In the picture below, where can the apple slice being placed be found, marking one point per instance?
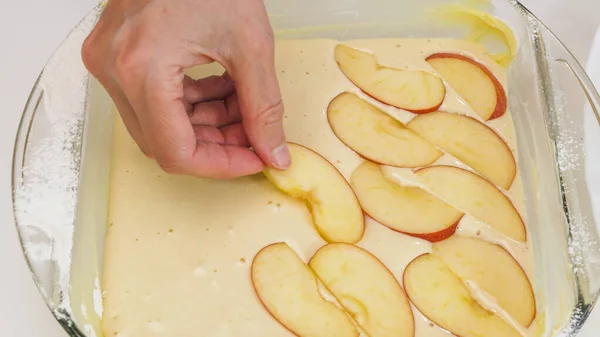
(415, 91)
(473, 82)
(375, 135)
(471, 142)
(443, 298)
(287, 288)
(494, 271)
(334, 207)
(406, 209)
(366, 289)
(472, 194)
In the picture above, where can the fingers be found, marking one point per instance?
(142, 48)
(253, 71)
(262, 112)
(216, 113)
(207, 89)
(172, 138)
(129, 119)
(233, 134)
(157, 98)
(225, 161)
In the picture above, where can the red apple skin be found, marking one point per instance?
(380, 163)
(500, 93)
(411, 301)
(384, 266)
(439, 235)
(421, 112)
(341, 176)
(454, 167)
(535, 312)
(365, 157)
(503, 141)
(525, 273)
(407, 295)
(418, 112)
(530, 287)
(256, 292)
(431, 237)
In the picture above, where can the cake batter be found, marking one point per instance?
(178, 248)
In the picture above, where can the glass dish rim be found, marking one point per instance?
(576, 319)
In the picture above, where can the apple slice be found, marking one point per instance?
(494, 270)
(415, 91)
(406, 209)
(375, 135)
(473, 82)
(366, 289)
(445, 300)
(471, 142)
(334, 207)
(472, 194)
(287, 288)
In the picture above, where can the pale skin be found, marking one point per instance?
(219, 127)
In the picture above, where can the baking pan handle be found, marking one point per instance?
(586, 84)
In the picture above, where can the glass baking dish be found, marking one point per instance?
(62, 155)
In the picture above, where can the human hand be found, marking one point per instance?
(138, 51)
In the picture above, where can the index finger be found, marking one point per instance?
(252, 67)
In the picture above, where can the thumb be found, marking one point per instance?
(261, 105)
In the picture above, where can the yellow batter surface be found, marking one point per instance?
(179, 249)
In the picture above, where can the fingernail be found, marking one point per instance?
(280, 157)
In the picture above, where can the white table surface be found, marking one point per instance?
(31, 29)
